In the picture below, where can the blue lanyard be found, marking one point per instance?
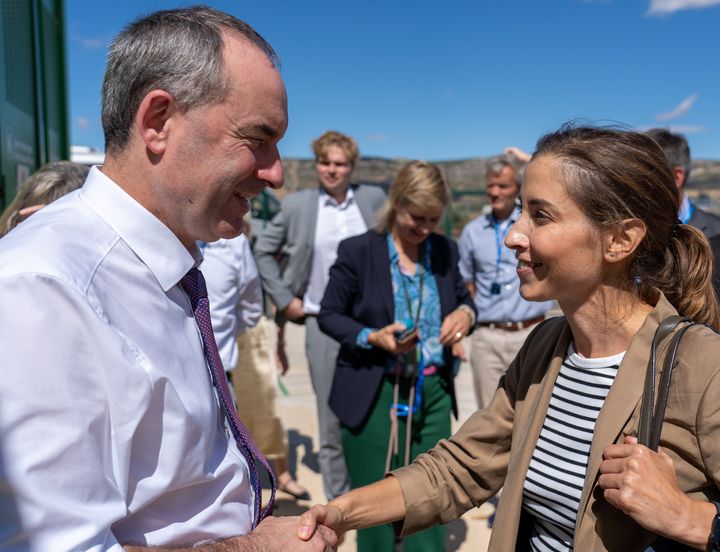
(403, 410)
(690, 212)
(499, 241)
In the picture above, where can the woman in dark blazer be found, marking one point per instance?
(397, 305)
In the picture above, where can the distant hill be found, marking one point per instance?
(467, 181)
(462, 174)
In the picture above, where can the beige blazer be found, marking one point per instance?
(493, 448)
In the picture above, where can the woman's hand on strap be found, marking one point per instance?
(455, 326)
(642, 484)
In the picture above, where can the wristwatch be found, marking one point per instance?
(715, 533)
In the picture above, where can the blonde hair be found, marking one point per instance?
(418, 185)
(48, 183)
(334, 138)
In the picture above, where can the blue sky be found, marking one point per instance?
(454, 79)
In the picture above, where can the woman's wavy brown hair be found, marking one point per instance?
(615, 174)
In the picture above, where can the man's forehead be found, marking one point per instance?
(506, 175)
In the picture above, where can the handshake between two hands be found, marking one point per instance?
(318, 530)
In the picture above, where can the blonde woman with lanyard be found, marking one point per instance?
(397, 305)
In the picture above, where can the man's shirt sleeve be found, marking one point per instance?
(59, 475)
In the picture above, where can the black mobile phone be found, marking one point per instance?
(405, 336)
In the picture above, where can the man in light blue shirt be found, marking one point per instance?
(488, 268)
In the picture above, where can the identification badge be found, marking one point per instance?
(495, 288)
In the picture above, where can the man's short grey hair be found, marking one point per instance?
(496, 165)
(674, 146)
(179, 51)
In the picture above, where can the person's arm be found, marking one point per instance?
(340, 295)
(273, 534)
(357, 509)
(465, 263)
(521, 155)
(249, 307)
(461, 321)
(642, 484)
(56, 456)
(267, 246)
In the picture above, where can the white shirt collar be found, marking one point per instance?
(153, 242)
(327, 199)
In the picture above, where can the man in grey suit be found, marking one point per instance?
(677, 152)
(307, 231)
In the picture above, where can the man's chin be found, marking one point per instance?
(229, 231)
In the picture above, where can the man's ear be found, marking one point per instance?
(622, 241)
(152, 120)
(679, 174)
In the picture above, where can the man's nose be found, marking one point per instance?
(272, 171)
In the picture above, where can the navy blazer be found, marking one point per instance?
(359, 295)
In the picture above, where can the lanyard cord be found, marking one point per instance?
(407, 293)
(499, 240)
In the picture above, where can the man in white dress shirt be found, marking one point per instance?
(111, 434)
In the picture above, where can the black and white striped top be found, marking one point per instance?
(556, 475)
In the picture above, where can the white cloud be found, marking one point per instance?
(378, 137)
(82, 122)
(89, 42)
(687, 129)
(664, 7)
(681, 109)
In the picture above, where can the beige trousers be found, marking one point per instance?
(491, 352)
(255, 384)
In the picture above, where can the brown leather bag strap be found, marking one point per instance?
(652, 411)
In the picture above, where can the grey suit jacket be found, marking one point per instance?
(292, 233)
(494, 447)
(707, 223)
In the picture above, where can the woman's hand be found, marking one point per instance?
(455, 326)
(458, 351)
(385, 339)
(643, 485)
(320, 515)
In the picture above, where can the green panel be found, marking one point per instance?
(33, 90)
(54, 83)
(19, 155)
(17, 42)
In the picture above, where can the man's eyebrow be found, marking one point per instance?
(262, 128)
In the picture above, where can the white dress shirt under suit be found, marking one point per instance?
(110, 429)
(335, 222)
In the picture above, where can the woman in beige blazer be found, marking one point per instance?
(599, 234)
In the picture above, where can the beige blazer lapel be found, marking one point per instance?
(616, 415)
(531, 418)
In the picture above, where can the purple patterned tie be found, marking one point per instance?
(194, 285)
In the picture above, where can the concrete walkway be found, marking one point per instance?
(470, 533)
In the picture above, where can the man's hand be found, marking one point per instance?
(294, 310)
(318, 518)
(281, 359)
(643, 485)
(521, 155)
(281, 534)
(385, 339)
(273, 534)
